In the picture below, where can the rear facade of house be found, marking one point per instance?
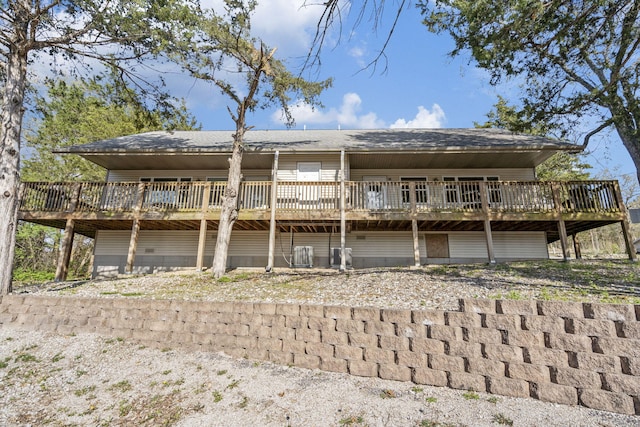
(324, 199)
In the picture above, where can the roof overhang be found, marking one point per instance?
(428, 148)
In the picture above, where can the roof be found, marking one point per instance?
(383, 140)
(367, 149)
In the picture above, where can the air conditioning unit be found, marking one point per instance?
(335, 257)
(303, 256)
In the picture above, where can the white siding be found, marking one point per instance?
(510, 245)
(363, 245)
(520, 245)
(150, 242)
(195, 175)
(112, 242)
(249, 243)
(467, 245)
(330, 168)
(524, 174)
(381, 244)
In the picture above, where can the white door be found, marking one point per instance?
(308, 172)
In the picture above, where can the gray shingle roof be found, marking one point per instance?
(384, 140)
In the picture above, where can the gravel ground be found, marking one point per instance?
(433, 287)
(93, 381)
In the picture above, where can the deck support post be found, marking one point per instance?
(628, 240)
(576, 246)
(626, 228)
(484, 200)
(66, 245)
(202, 237)
(272, 220)
(562, 228)
(562, 231)
(202, 245)
(489, 237)
(343, 216)
(414, 223)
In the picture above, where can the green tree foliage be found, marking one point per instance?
(76, 113)
(561, 166)
(84, 111)
(579, 58)
(118, 33)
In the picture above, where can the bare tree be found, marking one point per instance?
(335, 11)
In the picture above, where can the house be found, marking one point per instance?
(328, 198)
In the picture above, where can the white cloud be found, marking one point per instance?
(346, 115)
(288, 25)
(424, 119)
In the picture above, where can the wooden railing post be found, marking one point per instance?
(202, 238)
(484, 201)
(562, 228)
(272, 219)
(414, 223)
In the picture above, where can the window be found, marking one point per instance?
(420, 190)
(495, 194)
(375, 192)
(467, 190)
(309, 171)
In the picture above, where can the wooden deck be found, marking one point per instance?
(560, 209)
(315, 206)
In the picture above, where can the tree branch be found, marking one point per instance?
(599, 129)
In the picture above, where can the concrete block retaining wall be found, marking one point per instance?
(569, 353)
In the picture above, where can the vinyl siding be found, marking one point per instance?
(150, 242)
(249, 248)
(329, 170)
(395, 174)
(195, 175)
(382, 244)
(507, 245)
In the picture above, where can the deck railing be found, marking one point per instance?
(375, 196)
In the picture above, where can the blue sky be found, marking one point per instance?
(421, 87)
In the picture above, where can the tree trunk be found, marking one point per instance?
(631, 142)
(229, 212)
(11, 119)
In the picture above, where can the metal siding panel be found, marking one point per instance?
(249, 243)
(467, 245)
(288, 165)
(112, 242)
(525, 174)
(381, 244)
(523, 245)
(196, 175)
(160, 242)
